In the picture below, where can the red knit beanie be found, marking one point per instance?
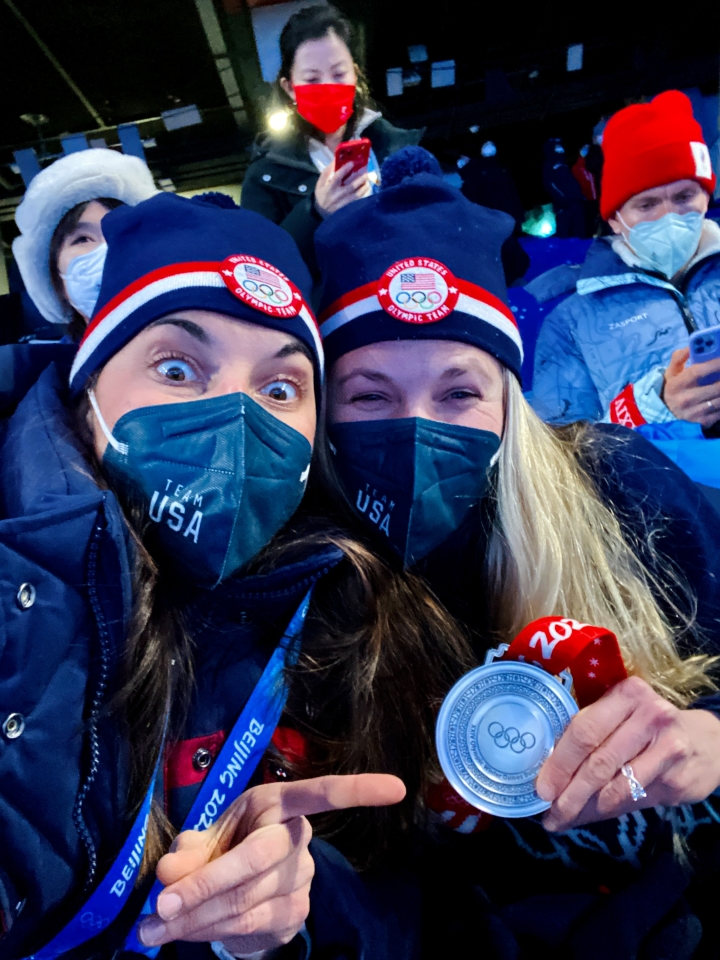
(650, 144)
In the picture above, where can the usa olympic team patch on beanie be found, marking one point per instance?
(416, 261)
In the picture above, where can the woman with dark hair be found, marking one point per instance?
(60, 221)
(293, 180)
(157, 565)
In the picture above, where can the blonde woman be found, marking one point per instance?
(508, 520)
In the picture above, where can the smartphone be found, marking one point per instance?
(355, 151)
(705, 345)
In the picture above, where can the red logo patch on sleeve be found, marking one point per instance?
(624, 410)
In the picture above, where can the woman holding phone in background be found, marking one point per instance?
(293, 179)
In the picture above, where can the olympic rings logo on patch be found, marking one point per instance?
(511, 737)
(261, 285)
(418, 290)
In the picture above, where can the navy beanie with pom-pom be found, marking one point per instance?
(408, 163)
(217, 198)
(416, 261)
(171, 253)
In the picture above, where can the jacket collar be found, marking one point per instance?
(293, 152)
(22, 363)
(267, 595)
(290, 152)
(611, 263)
(321, 155)
(41, 462)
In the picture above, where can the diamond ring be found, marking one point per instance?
(637, 790)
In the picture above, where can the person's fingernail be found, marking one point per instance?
(169, 905)
(550, 824)
(545, 792)
(152, 932)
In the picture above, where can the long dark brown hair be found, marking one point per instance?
(69, 222)
(379, 654)
(314, 23)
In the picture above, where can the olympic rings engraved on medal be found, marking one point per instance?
(511, 737)
(496, 779)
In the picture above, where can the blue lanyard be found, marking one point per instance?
(227, 779)
(243, 750)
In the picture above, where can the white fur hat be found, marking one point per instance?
(77, 178)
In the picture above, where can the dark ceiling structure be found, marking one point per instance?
(85, 67)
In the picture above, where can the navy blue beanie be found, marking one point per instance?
(170, 253)
(416, 261)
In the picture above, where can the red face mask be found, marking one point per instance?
(326, 106)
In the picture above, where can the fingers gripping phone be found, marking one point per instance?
(356, 152)
(705, 345)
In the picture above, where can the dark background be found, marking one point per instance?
(136, 58)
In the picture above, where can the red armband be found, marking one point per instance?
(625, 411)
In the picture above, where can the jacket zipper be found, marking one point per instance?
(97, 700)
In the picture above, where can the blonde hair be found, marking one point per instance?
(556, 549)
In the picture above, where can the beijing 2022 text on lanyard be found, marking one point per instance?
(226, 780)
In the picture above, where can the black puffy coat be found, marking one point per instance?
(280, 181)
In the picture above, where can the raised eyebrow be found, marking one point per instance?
(452, 372)
(373, 375)
(296, 346)
(194, 329)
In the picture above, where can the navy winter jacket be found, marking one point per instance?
(66, 600)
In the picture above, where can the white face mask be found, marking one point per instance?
(667, 244)
(83, 279)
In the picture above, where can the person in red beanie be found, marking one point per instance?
(617, 349)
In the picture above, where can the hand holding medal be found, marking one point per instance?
(512, 742)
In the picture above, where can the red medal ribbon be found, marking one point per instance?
(592, 654)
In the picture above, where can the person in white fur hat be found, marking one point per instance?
(60, 250)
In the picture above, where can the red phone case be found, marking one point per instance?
(357, 151)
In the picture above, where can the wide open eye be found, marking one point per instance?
(280, 390)
(179, 371)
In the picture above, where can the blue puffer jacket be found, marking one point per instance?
(601, 353)
(66, 598)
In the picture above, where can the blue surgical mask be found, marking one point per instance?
(414, 481)
(217, 478)
(83, 278)
(667, 244)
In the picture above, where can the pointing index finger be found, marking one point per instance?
(303, 798)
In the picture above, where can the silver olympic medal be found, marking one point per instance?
(496, 727)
